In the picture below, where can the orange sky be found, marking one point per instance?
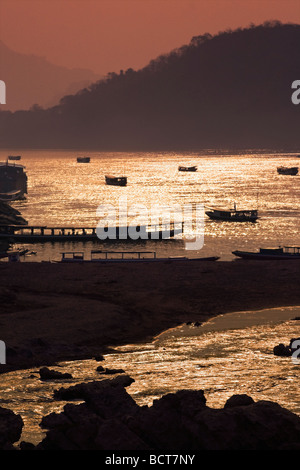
(109, 35)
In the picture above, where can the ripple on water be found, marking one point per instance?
(230, 354)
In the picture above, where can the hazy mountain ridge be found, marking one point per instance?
(232, 90)
(34, 80)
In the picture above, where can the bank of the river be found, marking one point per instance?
(52, 312)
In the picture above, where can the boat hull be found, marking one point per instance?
(183, 168)
(11, 196)
(144, 260)
(116, 181)
(48, 234)
(13, 178)
(263, 256)
(233, 218)
(287, 171)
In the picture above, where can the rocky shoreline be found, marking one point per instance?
(109, 419)
(54, 312)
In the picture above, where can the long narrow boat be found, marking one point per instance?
(83, 159)
(281, 253)
(40, 234)
(99, 256)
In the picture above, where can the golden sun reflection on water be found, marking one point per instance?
(230, 354)
(63, 192)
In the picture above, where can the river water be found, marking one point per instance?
(230, 354)
(62, 192)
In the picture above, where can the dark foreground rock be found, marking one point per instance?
(10, 428)
(109, 419)
(49, 374)
(293, 348)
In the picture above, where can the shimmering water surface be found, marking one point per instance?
(62, 192)
(230, 354)
(234, 357)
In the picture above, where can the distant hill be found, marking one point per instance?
(32, 80)
(231, 90)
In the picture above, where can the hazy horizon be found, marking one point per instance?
(107, 36)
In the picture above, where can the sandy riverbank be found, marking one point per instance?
(52, 312)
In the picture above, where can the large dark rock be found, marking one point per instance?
(282, 350)
(10, 428)
(287, 350)
(109, 419)
(48, 374)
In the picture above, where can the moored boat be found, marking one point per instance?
(116, 180)
(100, 256)
(13, 179)
(283, 170)
(14, 157)
(187, 168)
(9, 253)
(233, 215)
(40, 234)
(83, 159)
(280, 253)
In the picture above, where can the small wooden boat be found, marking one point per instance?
(14, 157)
(99, 256)
(283, 170)
(83, 159)
(116, 180)
(8, 254)
(281, 253)
(187, 168)
(233, 215)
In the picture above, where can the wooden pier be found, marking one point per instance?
(40, 234)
